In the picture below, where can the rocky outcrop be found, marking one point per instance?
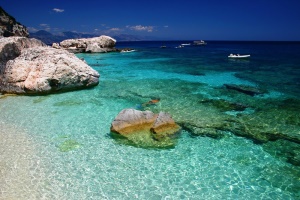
(10, 27)
(144, 128)
(29, 67)
(11, 47)
(100, 44)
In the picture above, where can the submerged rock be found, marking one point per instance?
(284, 149)
(196, 130)
(268, 125)
(69, 145)
(41, 70)
(224, 105)
(144, 128)
(249, 90)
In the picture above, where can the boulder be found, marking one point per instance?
(10, 27)
(40, 70)
(130, 120)
(144, 128)
(11, 47)
(91, 45)
(164, 126)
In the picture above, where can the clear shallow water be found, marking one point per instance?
(68, 152)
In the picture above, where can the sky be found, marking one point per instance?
(258, 20)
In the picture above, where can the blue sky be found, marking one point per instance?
(164, 19)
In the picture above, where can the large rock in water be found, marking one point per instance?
(91, 45)
(10, 27)
(30, 68)
(129, 121)
(164, 126)
(11, 47)
(145, 129)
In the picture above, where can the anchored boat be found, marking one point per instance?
(199, 42)
(238, 56)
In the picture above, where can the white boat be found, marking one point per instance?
(238, 56)
(199, 42)
(186, 44)
(127, 50)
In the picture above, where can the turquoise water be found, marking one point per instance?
(61, 147)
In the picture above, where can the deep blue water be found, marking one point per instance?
(59, 146)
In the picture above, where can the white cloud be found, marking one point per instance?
(166, 26)
(111, 30)
(32, 29)
(58, 10)
(141, 28)
(44, 25)
(114, 29)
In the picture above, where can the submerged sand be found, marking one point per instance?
(20, 169)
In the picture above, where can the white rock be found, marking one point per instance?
(45, 69)
(93, 45)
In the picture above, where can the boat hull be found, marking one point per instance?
(238, 56)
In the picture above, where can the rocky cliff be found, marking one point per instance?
(10, 27)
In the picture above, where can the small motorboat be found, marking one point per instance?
(127, 50)
(238, 56)
(199, 42)
(180, 46)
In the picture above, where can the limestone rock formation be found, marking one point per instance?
(11, 47)
(10, 27)
(91, 45)
(144, 128)
(29, 67)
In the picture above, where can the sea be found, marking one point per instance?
(59, 146)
